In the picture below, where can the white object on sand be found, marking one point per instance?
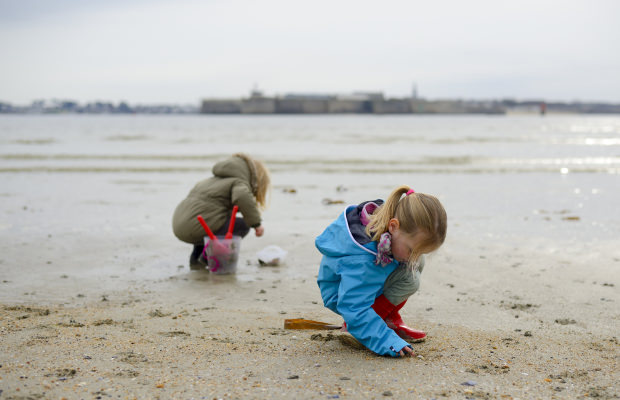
(271, 255)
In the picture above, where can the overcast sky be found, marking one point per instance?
(180, 51)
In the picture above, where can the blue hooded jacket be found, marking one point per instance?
(350, 281)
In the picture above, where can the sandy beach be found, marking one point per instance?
(220, 338)
(97, 300)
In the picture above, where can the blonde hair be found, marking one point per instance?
(263, 185)
(415, 212)
(261, 182)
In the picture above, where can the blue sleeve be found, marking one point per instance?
(329, 282)
(359, 286)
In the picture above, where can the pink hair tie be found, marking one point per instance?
(410, 191)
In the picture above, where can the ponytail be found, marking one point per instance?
(380, 219)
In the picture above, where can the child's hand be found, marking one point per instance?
(407, 350)
(259, 230)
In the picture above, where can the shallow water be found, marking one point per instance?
(323, 144)
(90, 196)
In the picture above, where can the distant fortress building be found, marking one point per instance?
(356, 103)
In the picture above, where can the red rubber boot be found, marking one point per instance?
(383, 307)
(395, 321)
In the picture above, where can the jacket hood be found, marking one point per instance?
(237, 166)
(337, 240)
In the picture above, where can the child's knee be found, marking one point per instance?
(401, 284)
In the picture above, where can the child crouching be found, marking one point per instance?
(372, 260)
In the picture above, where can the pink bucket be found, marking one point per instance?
(222, 255)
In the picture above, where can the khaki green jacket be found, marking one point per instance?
(233, 182)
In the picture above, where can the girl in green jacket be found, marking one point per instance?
(239, 180)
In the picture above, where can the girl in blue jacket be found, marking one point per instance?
(372, 260)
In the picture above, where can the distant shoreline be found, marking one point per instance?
(365, 104)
